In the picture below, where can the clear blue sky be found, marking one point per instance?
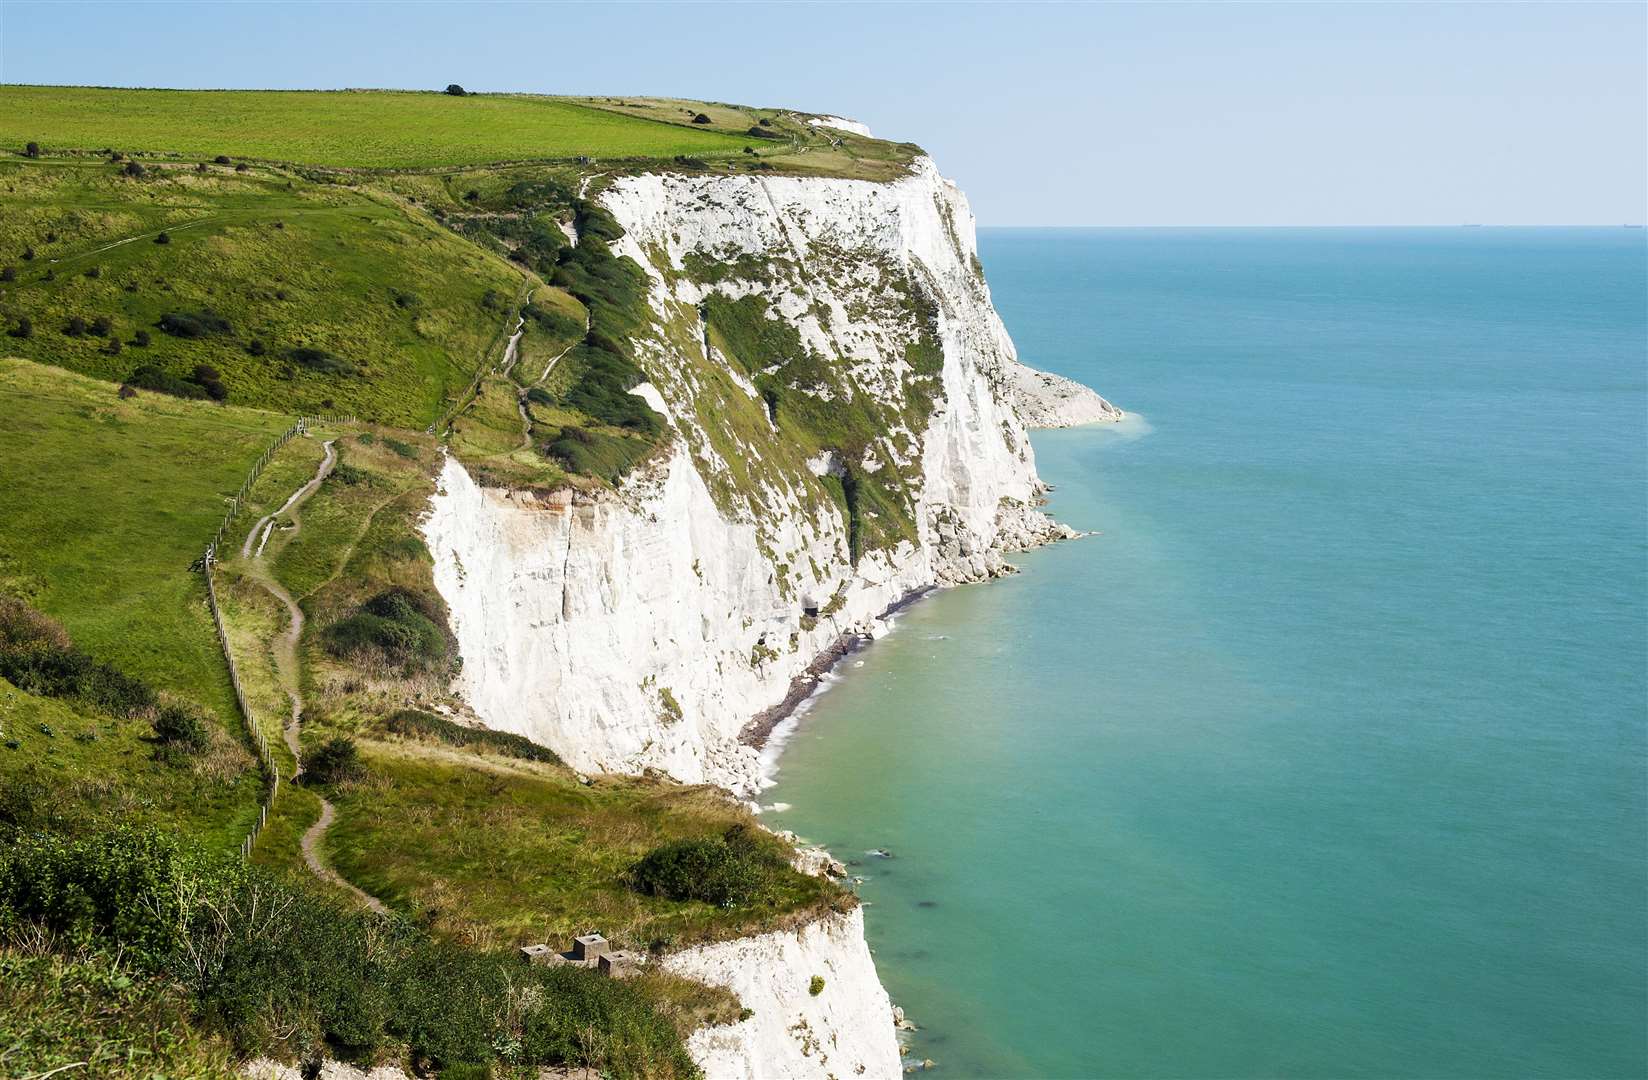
(1046, 114)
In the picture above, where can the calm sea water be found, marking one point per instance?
(1328, 756)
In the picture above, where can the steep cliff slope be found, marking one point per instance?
(842, 398)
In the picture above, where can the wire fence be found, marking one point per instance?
(260, 743)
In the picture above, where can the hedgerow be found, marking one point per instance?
(413, 723)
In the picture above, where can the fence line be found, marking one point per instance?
(266, 760)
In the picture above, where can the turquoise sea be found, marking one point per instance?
(1328, 757)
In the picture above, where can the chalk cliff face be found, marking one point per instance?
(844, 1030)
(644, 628)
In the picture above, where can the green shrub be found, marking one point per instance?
(413, 723)
(37, 657)
(194, 324)
(597, 453)
(322, 361)
(816, 986)
(728, 871)
(278, 967)
(153, 377)
(398, 627)
(337, 761)
(181, 725)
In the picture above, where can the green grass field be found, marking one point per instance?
(105, 505)
(394, 308)
(347, 128)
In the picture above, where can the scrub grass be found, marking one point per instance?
(497, 851)
(87, 1017)
(66, 767)
(353, 128)
(316, 298)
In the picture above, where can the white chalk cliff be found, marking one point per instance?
(844, 1030)
(645, 627)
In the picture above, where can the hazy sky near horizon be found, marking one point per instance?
(1077, 114)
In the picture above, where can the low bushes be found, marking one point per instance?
(322, 361)
(398, 628)
(203, 382)
(280, 970)
(194, 324)
(37, 657)
(731, 870)
(596, 453)
(337, 761)
(181, 726)
(412, 723)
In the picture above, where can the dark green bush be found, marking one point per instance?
(163, 238)
(141, 338)
(336, 761)
(728, 871)
(24, 328)
(76, 326)
(539, 396)
(322, 361)
(210, 380)
(158, 379)
(597, 453)
(37, 656)
(398, 627)
(193, 324)
(181, 725)
(8, 274)
(412, 723)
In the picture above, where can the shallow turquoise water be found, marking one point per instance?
(1328, 756)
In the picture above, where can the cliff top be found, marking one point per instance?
(401, 130)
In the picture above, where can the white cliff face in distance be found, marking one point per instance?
(644, 628)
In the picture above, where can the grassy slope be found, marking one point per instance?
(105, 505)
(375, 129)
(509, 852)
(287, 262)
(82, 1018)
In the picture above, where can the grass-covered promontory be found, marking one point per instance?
(382, 129)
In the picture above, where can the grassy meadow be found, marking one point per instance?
(305, 297)
(379, 129)
(105, 505)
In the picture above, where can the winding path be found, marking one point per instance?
(286, 670)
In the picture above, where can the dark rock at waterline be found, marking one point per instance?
(926, 903)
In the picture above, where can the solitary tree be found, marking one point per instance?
(8, 274)
(455, 90)
(24, 329)
(222, 159)
(133, 169)
(701, 118)
(163, 238)
(32, 150)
